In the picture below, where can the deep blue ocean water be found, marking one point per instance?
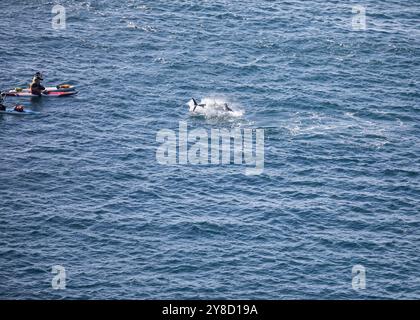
(81, 186)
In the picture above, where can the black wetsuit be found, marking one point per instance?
(37, 88)
(2, 106)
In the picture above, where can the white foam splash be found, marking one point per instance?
(132, 25)
(215, 108)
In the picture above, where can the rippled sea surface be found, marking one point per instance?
(81, 186)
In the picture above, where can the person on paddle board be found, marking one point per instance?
(2, 106)
(36, 87)
(19, 108)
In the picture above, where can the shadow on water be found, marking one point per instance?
(36, 103)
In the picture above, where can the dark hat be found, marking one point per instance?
(38, 75)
